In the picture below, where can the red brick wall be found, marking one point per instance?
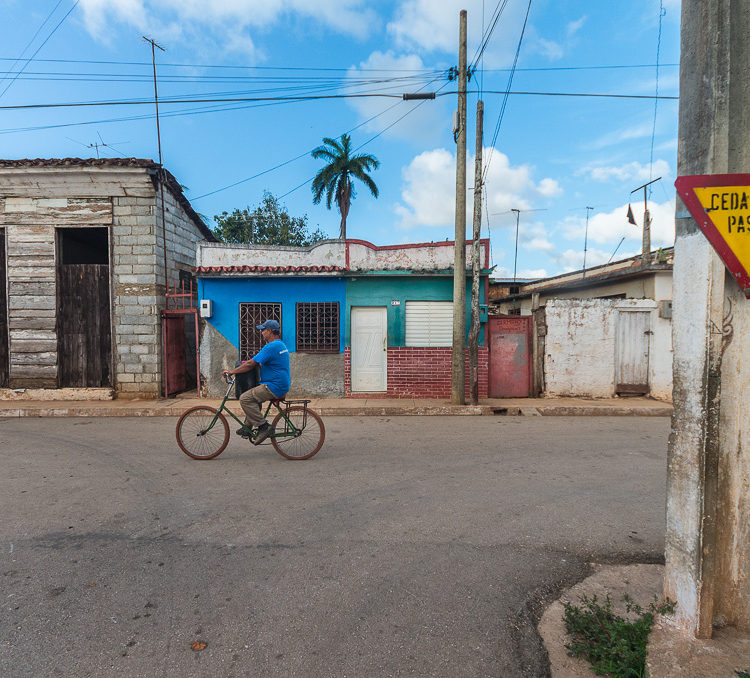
(419, 373)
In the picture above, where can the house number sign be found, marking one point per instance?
(395, 302)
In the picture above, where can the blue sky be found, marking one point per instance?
(554, 155)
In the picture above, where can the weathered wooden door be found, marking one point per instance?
(369, 349)
(84, 345)
(633, 341)
(173, 329)
(4, 357)
(510, 357)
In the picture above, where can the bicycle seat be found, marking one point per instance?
(276, 401)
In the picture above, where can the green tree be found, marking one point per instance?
(335, 178)
(267, 224)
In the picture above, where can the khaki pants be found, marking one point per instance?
(250, 402)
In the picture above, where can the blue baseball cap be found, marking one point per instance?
(272, 325)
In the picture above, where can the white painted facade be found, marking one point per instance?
(581, 347)
(353, 255)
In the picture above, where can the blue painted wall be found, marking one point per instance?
(228, 293)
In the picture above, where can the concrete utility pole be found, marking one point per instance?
(708, 509)
(458, 368)
(475, 251)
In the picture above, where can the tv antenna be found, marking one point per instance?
(101, 144)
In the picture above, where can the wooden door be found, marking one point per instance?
(633, 341)
(84, 345)
(369, 349)
(173, 328)
(510, 357)
(4, 356)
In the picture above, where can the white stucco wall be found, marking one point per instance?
(580, 348)
(362, 256)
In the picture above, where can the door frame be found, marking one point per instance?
(621, 388)
(492, 328)
(384, 310)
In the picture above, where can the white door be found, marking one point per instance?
(369, 348)
(633, 340)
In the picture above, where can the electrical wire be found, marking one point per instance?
(506, 95)
(28, 61)
(500, 7)
(30, 42)
(662, 12)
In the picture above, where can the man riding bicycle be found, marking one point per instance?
(275, 377)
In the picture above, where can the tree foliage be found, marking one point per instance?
(268, 224)
(334, 180)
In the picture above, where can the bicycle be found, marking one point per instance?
(298, 432)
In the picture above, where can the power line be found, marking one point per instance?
(499, 8)
(223, 66)
(52, 32)
(409, 112)
(506, 95)
(662, 12)
(30, 42)
(311, 97)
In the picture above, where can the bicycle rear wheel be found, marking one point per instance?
(306, 441)
(196, 435)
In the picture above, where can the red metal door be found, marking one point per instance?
(175, 375)
(510, 357)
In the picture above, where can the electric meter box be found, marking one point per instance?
(207, 308)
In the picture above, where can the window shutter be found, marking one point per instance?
(429, 323)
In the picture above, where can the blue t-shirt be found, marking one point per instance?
(273, 359)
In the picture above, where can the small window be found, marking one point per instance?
(429, 323)
(318, 327)
(252, 315)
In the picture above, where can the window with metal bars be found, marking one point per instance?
(318, 327)
(252, 314)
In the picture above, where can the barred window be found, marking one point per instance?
(318, 327)
(251, 315)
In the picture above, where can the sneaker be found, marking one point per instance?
(243, 432)
(264, 430)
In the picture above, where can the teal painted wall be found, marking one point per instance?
(381, 290)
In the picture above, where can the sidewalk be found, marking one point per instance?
(335, 407)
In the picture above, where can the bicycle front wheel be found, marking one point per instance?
(303, 438)
(202, 432)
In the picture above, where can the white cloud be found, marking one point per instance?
(632, 171)
(610, 227)
(638, 131)
(551, 49)
(427, 119)
(574, 26)
(432, 25)
(229, 18)
(428, 195)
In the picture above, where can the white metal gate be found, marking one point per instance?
(633, 341)
(369, 349)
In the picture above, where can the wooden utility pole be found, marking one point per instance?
(458, 369)
(475, 251)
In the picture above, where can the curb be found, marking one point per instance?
(175, 410)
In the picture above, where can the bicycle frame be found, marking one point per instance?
(289, 428)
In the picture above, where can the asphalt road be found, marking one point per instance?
(422, 546)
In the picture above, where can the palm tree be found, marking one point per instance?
(335, 178)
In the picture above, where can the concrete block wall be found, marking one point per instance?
(182, 236)
(417, 372)
(138, 294)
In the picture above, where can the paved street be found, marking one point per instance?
(420, 546)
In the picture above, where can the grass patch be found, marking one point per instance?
(613, 645)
